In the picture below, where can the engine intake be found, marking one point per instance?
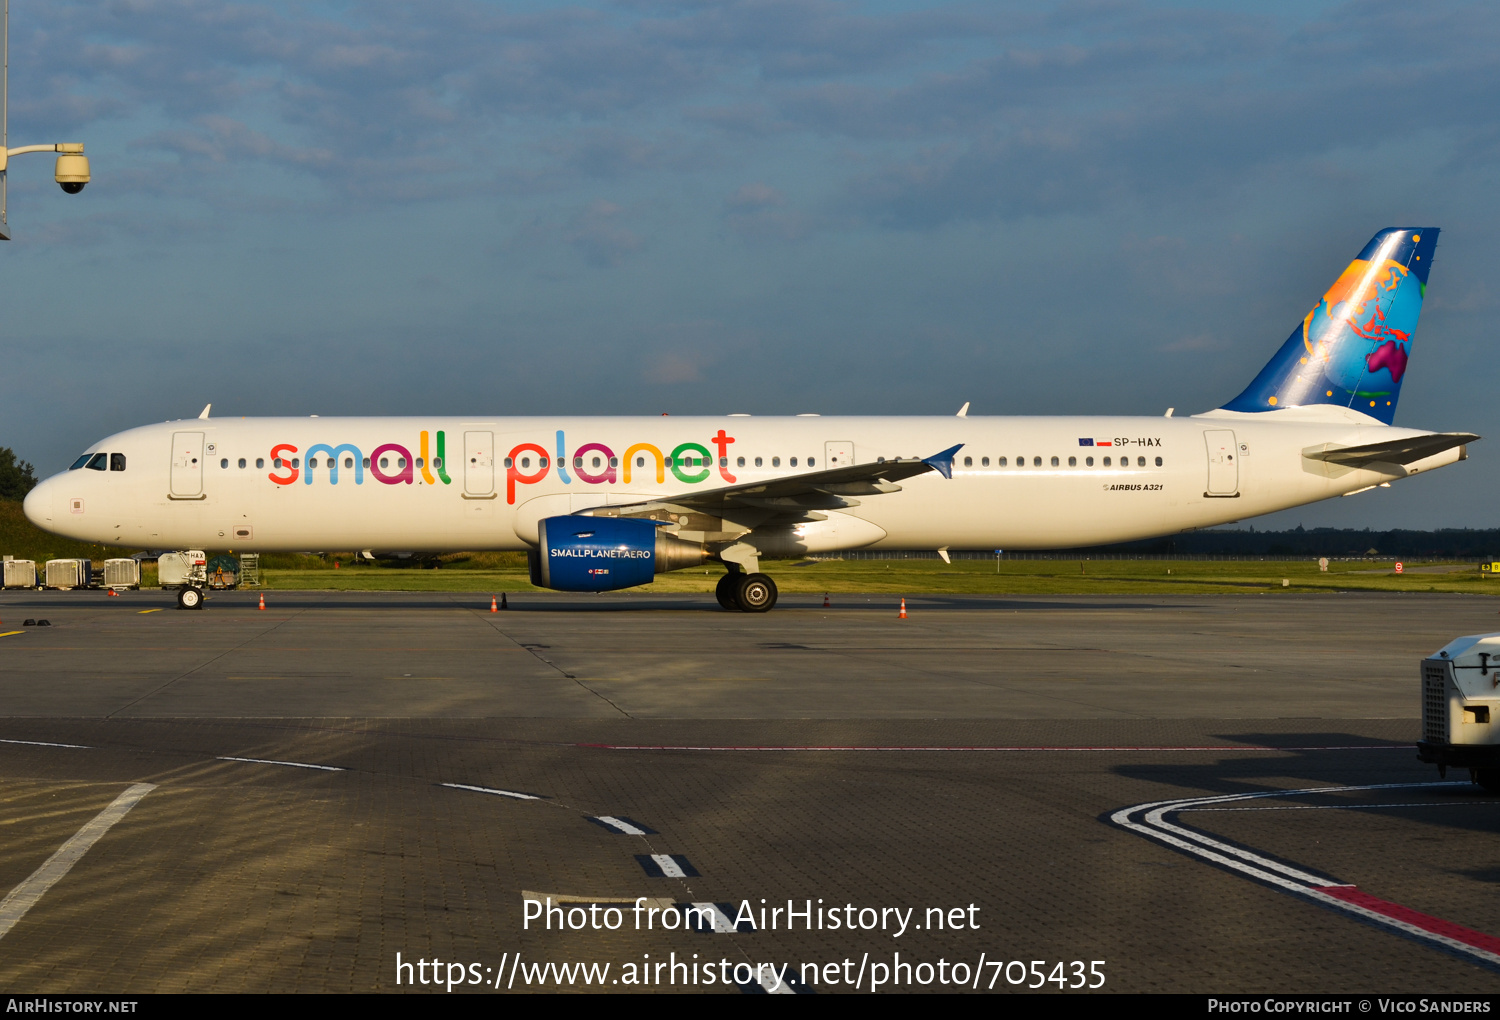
(606, 553)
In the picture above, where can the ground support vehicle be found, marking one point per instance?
(1461, 709)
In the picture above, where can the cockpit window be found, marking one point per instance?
(117, 462)
(80, 462)
(98, 462)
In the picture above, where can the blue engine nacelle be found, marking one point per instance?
(606, 553)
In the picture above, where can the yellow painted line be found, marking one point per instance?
(10, 633)
(144, 611)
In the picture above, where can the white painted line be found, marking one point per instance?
(1330, 893)
(42, 743)
(486, 789)
(766, 975)
(1156, 820)
(668, 866)
(621, 825)
(721, 921)
(292, 764)
(1352, 807)
(25, 896)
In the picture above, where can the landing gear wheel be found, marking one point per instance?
(757, 594)
(189, 598)
(1488, 778)
(726, 589)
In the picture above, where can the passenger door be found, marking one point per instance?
(479, 463)
(1223, 470)
(187, 464)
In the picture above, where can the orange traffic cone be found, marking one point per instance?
(262, 600)
(494, 604)
(825, 601)
(903, 608)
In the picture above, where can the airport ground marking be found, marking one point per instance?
(25, 896)
(12, 633)
(718, 918)
(666, 866)
(143, 612)
(290, 764)
(1350, 807)
(43, 743)
(622, 825)
(513, 794)
(1150, 820)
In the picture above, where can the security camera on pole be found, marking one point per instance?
(72, 171)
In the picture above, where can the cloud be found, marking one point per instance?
(928, 202)
(759, 212)
(222, 139)
(598, 234)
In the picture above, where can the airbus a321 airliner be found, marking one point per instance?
(606, 503)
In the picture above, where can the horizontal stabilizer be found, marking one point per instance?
(1394, 451)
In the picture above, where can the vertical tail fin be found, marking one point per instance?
(1352, 348)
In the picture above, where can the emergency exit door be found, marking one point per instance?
(837, 455)
(187, 464)
(479, 463)
(1223, 469)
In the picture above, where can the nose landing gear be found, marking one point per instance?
(189, 597)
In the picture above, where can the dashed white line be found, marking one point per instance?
(767, 978)
(721, 921)
(620, 825)
(25, 896)
(668, 866)
(290, 764)
(487, 789)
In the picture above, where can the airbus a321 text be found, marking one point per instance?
(605, 503)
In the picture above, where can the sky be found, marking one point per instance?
(766, 206)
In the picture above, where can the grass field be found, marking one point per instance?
(912, 577)
(497, 572)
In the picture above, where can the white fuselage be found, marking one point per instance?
(1018, 483)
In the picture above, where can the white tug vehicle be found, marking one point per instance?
(1461, 709)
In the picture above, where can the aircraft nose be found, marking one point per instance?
(38, 504)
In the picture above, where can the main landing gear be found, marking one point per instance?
(189, 598)
(746, 593)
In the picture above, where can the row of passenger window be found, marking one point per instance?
(312, 462)
(97, 463)
(640, 462)
(116, 462)
(1057, 462)
(100, 462)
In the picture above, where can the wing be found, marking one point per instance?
(1394, 451)
(735, 509)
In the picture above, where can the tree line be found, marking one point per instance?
(17, 477)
